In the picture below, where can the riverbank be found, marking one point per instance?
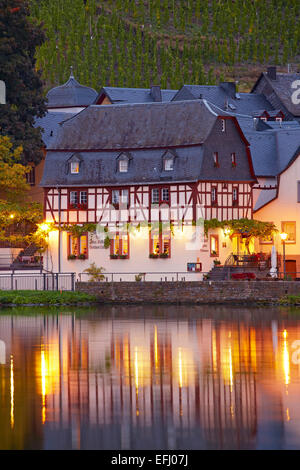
(34, 297)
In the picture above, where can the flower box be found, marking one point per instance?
(82, 256)
(153, 255)
(72, 257)
(164, 255)
(114, 256)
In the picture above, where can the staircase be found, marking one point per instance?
(26, 259)
(220, 273)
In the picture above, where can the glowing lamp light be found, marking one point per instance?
(283, 236)
(12, 216)
(44, 227)
(226, 231)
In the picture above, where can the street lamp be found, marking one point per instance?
(283, 237)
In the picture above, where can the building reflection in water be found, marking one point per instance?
(122, 382)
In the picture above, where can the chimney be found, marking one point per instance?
(229, 88)
(155, 93)
(271, 73)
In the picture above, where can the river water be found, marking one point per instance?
(150, 377)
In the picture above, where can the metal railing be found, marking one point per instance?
(43, 281)
(144, 277)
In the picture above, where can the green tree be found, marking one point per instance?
(19, 38)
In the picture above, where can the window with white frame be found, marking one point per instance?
(155, 196)
(214, 195)
(74, 167)
(169, 164)
(223, 128)
(123, 165)
(115, 196)
(119, 196)
(78, 200)
(83, 197)
(73, 198)
(235, 195)
(165, 194)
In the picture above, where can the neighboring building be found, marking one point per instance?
(282, 90)
(117, 95)
(151, 163)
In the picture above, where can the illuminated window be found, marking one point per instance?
(78, 246)
(119, 247)
(290, 229)
(74, 167)
(160, 244)
(214, 245)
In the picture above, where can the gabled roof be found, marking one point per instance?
(70, 94)
(134, 126)
(220, 96)
(132, 95)
(50, 125)
(282, 87)
(272, 149)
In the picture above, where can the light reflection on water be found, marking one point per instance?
(150, 377)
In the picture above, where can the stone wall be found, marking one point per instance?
(205, 292)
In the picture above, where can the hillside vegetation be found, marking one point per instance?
(137, 43)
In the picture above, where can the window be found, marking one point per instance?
(78, 247)
(165, 194)
(223, 125)
(123, 165)
(159, 196)
(214, 195)
(78, 200)
(119, 196)
(278, 119)
(262, 118)
(233, 159)
(160, 245)
(290, 229)
(216, 159)
(74, 167)
(214, 245)
(30, 177)
(235, 196)
(119, 246)
(169, 164)
(155, 196)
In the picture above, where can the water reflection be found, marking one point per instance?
(177, 377)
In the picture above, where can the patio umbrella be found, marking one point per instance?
(273, 270)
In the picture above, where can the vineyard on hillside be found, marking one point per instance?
(135, 43)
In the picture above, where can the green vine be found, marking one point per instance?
(247, 227)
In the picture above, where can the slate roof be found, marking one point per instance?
(50, 125)
(133, 95)
(100, 168)
(282, 87)
(244, 103)
(267, 195)
(133, 126)
(70, 94)
(272, 149)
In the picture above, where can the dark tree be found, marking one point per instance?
(19, 37)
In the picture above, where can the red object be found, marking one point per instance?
(14, 10)
(243, 276)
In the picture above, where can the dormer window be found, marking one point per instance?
(123, 166)
(278, 119)
(74, 167)
(169, 164)
(123, 163)
(223, 125)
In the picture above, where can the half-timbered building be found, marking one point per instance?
(148, 175)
